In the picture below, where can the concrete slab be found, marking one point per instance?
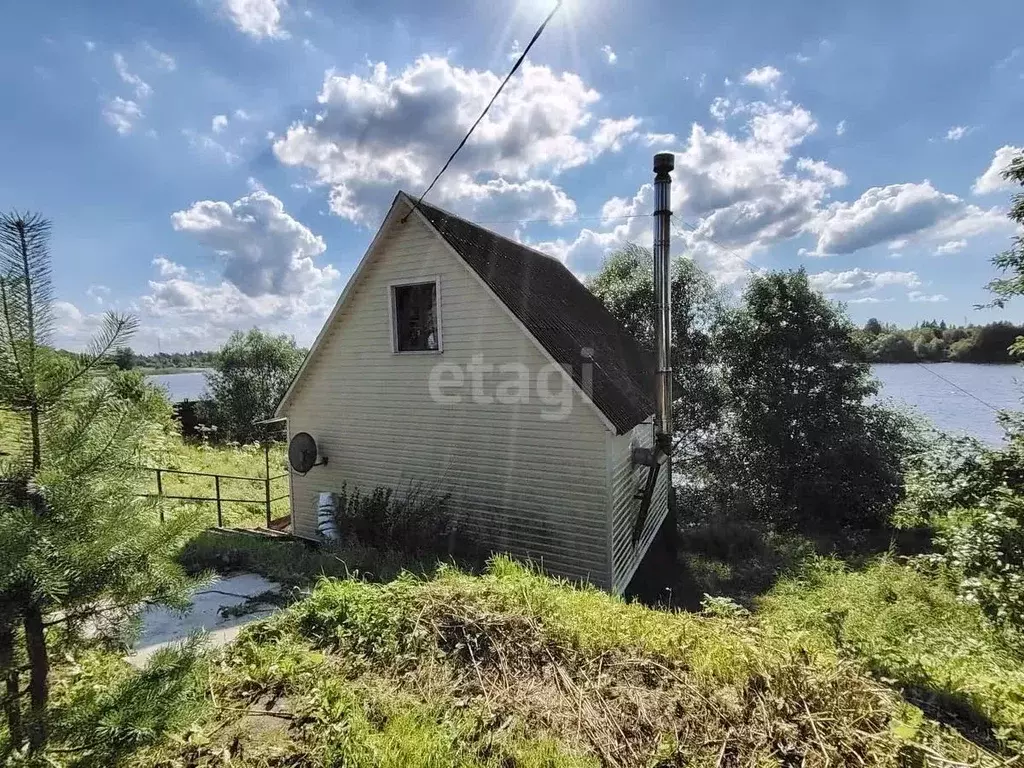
(161, 627)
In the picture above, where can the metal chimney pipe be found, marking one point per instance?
(664, 163)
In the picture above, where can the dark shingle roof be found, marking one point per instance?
(561, 314)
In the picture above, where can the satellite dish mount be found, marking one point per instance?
(302, 453)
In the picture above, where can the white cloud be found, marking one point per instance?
(492, 200)
(765, 77)
(382, 130)
(819, 169)
(611, 134)
(957, 132)
(742, 191)
(918, 296)
(72, 327)
(992, 179)
(269, 279)
(659, 139)
(163, 60)
(859, 280)
(951, 246)
(207, 145)
(257, 18)
(263, 249)
(840, 128)
(192, 313)
(141, 87)
(219, 123)
(122, 114)
(719, 108)
(184, 310)
(1009, 58)
(90, 46)
(867, 300)
(609, 54)
(168, 268)
(241, 114)
(98, 293)
(894, 213)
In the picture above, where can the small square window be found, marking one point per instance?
(414, 310)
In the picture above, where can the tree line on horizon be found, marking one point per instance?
(932, 341)
(929, 341)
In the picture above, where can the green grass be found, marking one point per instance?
(909, 629)
(237, 460)
(10, 434)
(511, 668)
(174, 453)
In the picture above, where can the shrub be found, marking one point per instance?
(416, 521)
(984, 549)
(950, 472)
(970, 496)
(292, 563)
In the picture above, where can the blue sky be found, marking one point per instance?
(218, 164)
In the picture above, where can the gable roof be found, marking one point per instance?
(560, 313)
(553, 306)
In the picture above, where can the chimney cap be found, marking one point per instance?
(664, 162)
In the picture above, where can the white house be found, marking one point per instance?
(463, 360)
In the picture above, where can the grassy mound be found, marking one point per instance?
(514, 669)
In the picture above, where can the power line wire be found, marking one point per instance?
(515, 67)
(693, 228)
(566, 220)
(958, 387)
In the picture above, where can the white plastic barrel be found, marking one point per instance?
(325, 510)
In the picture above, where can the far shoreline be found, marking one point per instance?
(168, 371)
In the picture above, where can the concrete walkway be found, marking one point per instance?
(161, 627)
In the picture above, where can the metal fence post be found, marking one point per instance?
(220, 515)
(266, 464)
(160, 492)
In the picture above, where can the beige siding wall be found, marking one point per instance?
(625, 481)
(520, 483)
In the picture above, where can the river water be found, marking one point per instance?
(955, 396)
(181, 386)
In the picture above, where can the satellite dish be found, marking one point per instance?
(302, 453)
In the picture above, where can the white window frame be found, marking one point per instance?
(393, 319)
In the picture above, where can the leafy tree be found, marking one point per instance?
(123, 358)
(626, 286)
(892, 348)
(1011, 261)
(873, 327)
(804, 447)
(992, 341)
(80, 551)
(249, 377)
